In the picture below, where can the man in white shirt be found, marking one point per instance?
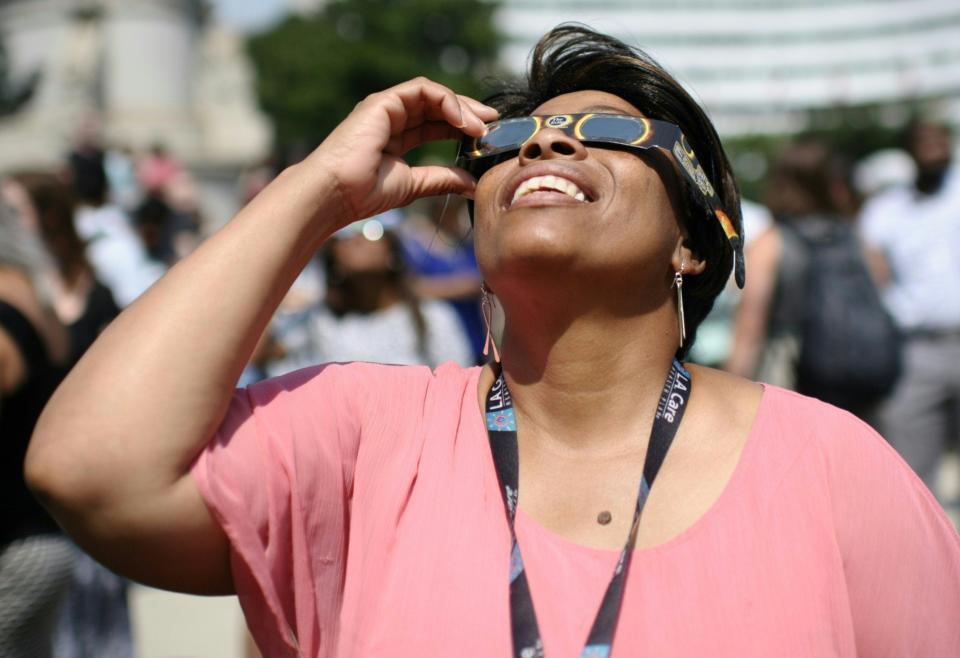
(916, 228)
(116, 252)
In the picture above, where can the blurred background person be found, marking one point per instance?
(438, 248)
(119, 164)
(35, 558)
(94, 620)
(82, 303)
(715, 334)
(916, 230)
(117, 254)
(810, 318)
(369, 310)
(157, 169)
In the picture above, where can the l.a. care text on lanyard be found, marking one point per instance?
(502, 431)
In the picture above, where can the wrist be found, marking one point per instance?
(314, 192)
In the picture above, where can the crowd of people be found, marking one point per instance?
(82, 241)
(880, 266)
(79, 244)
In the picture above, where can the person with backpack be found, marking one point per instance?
(812, 320)
(917, 230)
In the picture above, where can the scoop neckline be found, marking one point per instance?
(728, 491)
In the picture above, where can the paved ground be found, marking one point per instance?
(177, 626)
(167, 625)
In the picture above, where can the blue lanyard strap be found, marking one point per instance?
(502, 430)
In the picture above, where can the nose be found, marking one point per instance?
(549, 144)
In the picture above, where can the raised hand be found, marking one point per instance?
(363, 156)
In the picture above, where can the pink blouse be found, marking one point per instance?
(365, 519)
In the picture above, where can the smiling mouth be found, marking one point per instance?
(551, 185)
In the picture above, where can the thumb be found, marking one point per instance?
(434, 180)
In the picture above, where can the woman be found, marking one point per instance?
(837, 344)
(35, 558)
(94, 618)
(370, 312)
(82, 303)
(356, 508)
(438, 247)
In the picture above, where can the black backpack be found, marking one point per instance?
(850, 346)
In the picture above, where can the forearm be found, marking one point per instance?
(111, 452)
(749, 334)
(753, 309)
(140, 405)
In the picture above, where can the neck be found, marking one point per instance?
(590, 381)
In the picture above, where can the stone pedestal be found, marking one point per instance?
(144, 71)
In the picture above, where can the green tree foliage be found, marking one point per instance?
(312, 70)
(854, 132)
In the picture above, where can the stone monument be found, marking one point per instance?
(143, 72)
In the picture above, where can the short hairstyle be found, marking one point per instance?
(916, 124)
(573, 58)
(803, 179)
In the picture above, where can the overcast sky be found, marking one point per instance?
(248, 14)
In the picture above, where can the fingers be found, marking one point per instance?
(484, 112)
(417, 182)
(435, 180)
(413, 103)
(427, 132)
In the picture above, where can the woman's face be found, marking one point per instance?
(621, 226)
(355, 254)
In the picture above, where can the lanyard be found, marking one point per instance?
(502, 430)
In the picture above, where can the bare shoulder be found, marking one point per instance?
(17, 290)
(724, 395)
(705, 454)
(724, 408)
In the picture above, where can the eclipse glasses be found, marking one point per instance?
(507, 136)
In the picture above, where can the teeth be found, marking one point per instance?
(553, 183)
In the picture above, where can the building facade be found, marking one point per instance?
(760, 65)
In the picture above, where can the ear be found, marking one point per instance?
(685, 257)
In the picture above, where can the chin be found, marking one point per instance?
(539, 246)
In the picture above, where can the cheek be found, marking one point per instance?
(488, 185)
(649, 230)
(483, 239)
(641, 191)
(484, 210)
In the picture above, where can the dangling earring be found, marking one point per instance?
(486, 307)
(678, 284)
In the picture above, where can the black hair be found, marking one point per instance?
(803, 181)
(89, 177)
(341, 300)
(914, 125)
(573, 57)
